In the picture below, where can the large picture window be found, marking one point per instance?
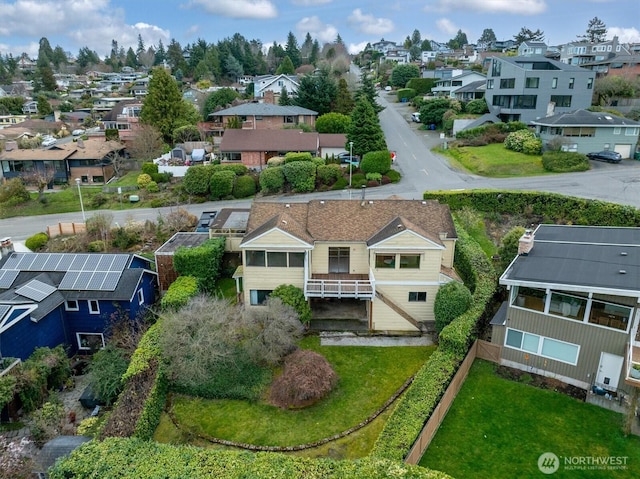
(508, 83)
(409, 261)
(385, 261)
(296, 260)
(90, 341)
(277, 259)
(542, 346)
(255, 258)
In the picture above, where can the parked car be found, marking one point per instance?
(48, 141)
(607, 155)
(345, 159)
(78, 132)
(206, 218)
(415, 117)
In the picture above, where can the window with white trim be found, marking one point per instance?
(90, 341)
(94, 306)
(542, 346)
(617, 130)
(140, 296)
(71, 305)
(258, 296)
(631, 131)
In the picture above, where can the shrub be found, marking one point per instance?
(275, 161)
(180, 292)
(405, 94)
(376, 162)
(143, 180)
(162, 177)
(97, 246)
(509, 247)
(244, 187)
(422, 86)
(37, 241)
(301, 175)
(203, 262)
(374, 177)
(328, 174)
(532, 146)
(149, 168)
(333, 123)
(197, 178)
(106, 370)
(221, 184)
(99, 200)
(477, 107)
(515, 141)
(295, 156)
(451, 301)
(272, 179)
(152, 187)
(124, 238)
(14, 192)
(340, 184)
(238, 168)
(393, 175)
(564, 161)
(294, 297)
(307, 377)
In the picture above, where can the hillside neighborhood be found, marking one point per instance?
(305, 323)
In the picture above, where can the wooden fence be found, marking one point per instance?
(65, 229)
(480, 349)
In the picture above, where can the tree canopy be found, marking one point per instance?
(365, 131)
(596, 31)
(527, 35)
(317, 92)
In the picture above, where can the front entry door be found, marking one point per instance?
(339, 260)
(609, 370)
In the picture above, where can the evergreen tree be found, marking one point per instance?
(596, 31)
(368, 90)
(526, 35)
(305, 49)
(315, 53)
(425, 46)
(233, 68)
(286, 67)
(45, 52)
(459, 41)
(365, 131)
(44, 80)
(164, 107)
(285, 100)
(344, 99)
(131, 60)
(86, 58)
(317, 92)
(59, 57)
(44, 108)
(140, 49)
(416, 38)
(174, 56)
(219, 98)
(487, 36)
(339, 40)
(292, 50)
(161, 54)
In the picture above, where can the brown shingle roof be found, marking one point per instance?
(59, 152)
(353, 220)
(269, 140)
(332, 140)
(95, 149)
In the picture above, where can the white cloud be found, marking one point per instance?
(317, 29)
(237, 8)
(520, 7)
(625, 35)
(192, 30)
(355, 48)
(308, 3)
(368, 24)
(90, 23)
(447, 26)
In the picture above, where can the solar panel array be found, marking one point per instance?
(36, 290)
(3, 309)
(83, 272)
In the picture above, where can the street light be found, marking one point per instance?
(350, 161)
(84, 219)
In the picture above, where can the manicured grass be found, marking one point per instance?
(226, 287)
(495, 161)
(368, 377)
(499, 428)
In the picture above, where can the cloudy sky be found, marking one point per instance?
(94, 23)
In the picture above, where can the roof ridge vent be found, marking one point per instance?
(623, 271)
(623, 253)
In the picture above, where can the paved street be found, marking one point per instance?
(421, 170)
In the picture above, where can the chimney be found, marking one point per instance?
(80, 143)
(269, 97)
(6, 247)
(525, 243)
(11, 145)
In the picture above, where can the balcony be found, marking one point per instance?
(336, 285)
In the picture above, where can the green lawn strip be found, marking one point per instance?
(226, 287)
(495, 161)
(368, 377)
(499, 428)
(477, 229)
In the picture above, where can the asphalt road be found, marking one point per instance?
(421, 170)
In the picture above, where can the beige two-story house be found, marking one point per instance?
(389, 256)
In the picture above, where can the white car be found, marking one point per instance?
(77, 132)
(48, 141)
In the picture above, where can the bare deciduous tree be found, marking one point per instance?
(179, 220)
(147, 143)
(40, 178)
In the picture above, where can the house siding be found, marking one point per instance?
(269, 278)
(429, 267)
(358, 257)
(386, 319)
(420, 311)
(274, 239)
(593, 340)
(447, 254)
(23, 337)
(603, 139)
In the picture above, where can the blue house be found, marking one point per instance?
(48, 299)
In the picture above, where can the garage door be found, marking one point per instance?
(624, 150)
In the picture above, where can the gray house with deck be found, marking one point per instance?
(572, 309)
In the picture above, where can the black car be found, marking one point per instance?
(607, 155)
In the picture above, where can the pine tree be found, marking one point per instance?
(315, 53)
(161, 54)
(317, 92)
(344, 99)
(286, 67)
(131, 61)
(368, 90)
(285, 100)
(44, 108)
(292, 50)
(596, 31)
(365, 131)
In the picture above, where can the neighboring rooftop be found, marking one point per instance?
(186, 239)
(586, 118)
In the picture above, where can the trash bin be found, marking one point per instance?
(636, 155)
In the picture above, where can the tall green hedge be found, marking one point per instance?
(272, 179)
(301, 175)
(550, 207)
(221, 184)
(297, 156)
(180, 292)
(203, 262)
(135, 459)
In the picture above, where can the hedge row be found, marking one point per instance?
(415, 407)
(180, 292)
(550, 207)
(134, 459)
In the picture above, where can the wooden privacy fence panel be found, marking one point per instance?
(489, 351)
(440, 411)
(65, 229)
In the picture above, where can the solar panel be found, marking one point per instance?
(51, 262)
(7, 277)
(68, 280)
(38, 262)
(83, 279)
(3, 309)
(105, 262)
(13, 261)
(35, 290)
(111, 281)
(78, 262)
(92, 262)
(95, 283)
(119, 262)
(25, 262)
(65, 262)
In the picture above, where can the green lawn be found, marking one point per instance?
(495, 161)
(368, 377)
(498, 428)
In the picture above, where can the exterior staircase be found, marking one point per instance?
(422, 326)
